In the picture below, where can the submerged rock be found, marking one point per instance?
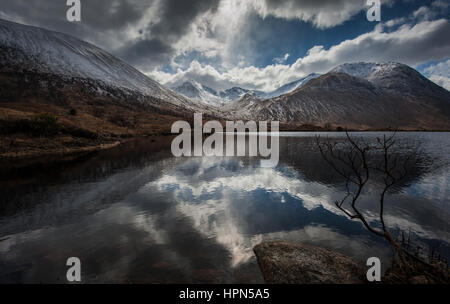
(283, 262)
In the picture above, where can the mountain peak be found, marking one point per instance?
(368, 70)
(200, 92)
(188, 89)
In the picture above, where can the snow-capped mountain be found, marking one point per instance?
(207, 95)
(287, 88)
(395, 78)
(40, 64)
(367, 95)
(242, 107)
(28, 50)
(366, 70)
(236, 93)
(198, 92)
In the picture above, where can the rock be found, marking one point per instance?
(418, 273)
(283, 262)
(420, 279)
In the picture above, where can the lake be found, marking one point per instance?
(135, 213)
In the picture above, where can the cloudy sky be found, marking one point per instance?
(257, 44)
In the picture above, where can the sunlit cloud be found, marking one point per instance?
(409, 44)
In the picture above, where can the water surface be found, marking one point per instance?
(135, 213)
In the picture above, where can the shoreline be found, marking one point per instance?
(290, 262)
(24, 155)
(83, 150)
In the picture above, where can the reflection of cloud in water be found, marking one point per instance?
(177, 219)
(250, 179)
(128, 236)
(206, 190)
(213, 220)
(434, 186)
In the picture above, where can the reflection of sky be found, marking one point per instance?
(434, 186)
(197, 219)
(240, 208)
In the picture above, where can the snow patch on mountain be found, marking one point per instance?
(201, 93)
(369, 70)
(198, 92)
(292, 86)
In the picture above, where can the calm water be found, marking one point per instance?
(137, 214)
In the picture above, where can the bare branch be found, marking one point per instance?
(355, 164)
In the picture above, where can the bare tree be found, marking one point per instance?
(359, 162)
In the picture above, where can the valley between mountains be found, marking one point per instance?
(61, 95)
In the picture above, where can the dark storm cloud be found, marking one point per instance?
(177, 15)
(48, 14)
(147, 52)
(103, 21)
(107, 14)
(98, 15)
(175, 18)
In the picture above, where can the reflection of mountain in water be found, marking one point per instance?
(141, 215)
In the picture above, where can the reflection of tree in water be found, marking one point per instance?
(303, 155)
(360, 162)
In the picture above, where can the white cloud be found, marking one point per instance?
(443, 81)
(394, 22)
(323, 14)
(218, 34)
(439, 73)
(281, 60)
(409, 44)
(425, 13)
(440, 4)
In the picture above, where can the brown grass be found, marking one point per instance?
(111, 124)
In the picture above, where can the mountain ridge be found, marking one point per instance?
(396, 96)
(37, 63)
(202, 93)
(193, 89)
